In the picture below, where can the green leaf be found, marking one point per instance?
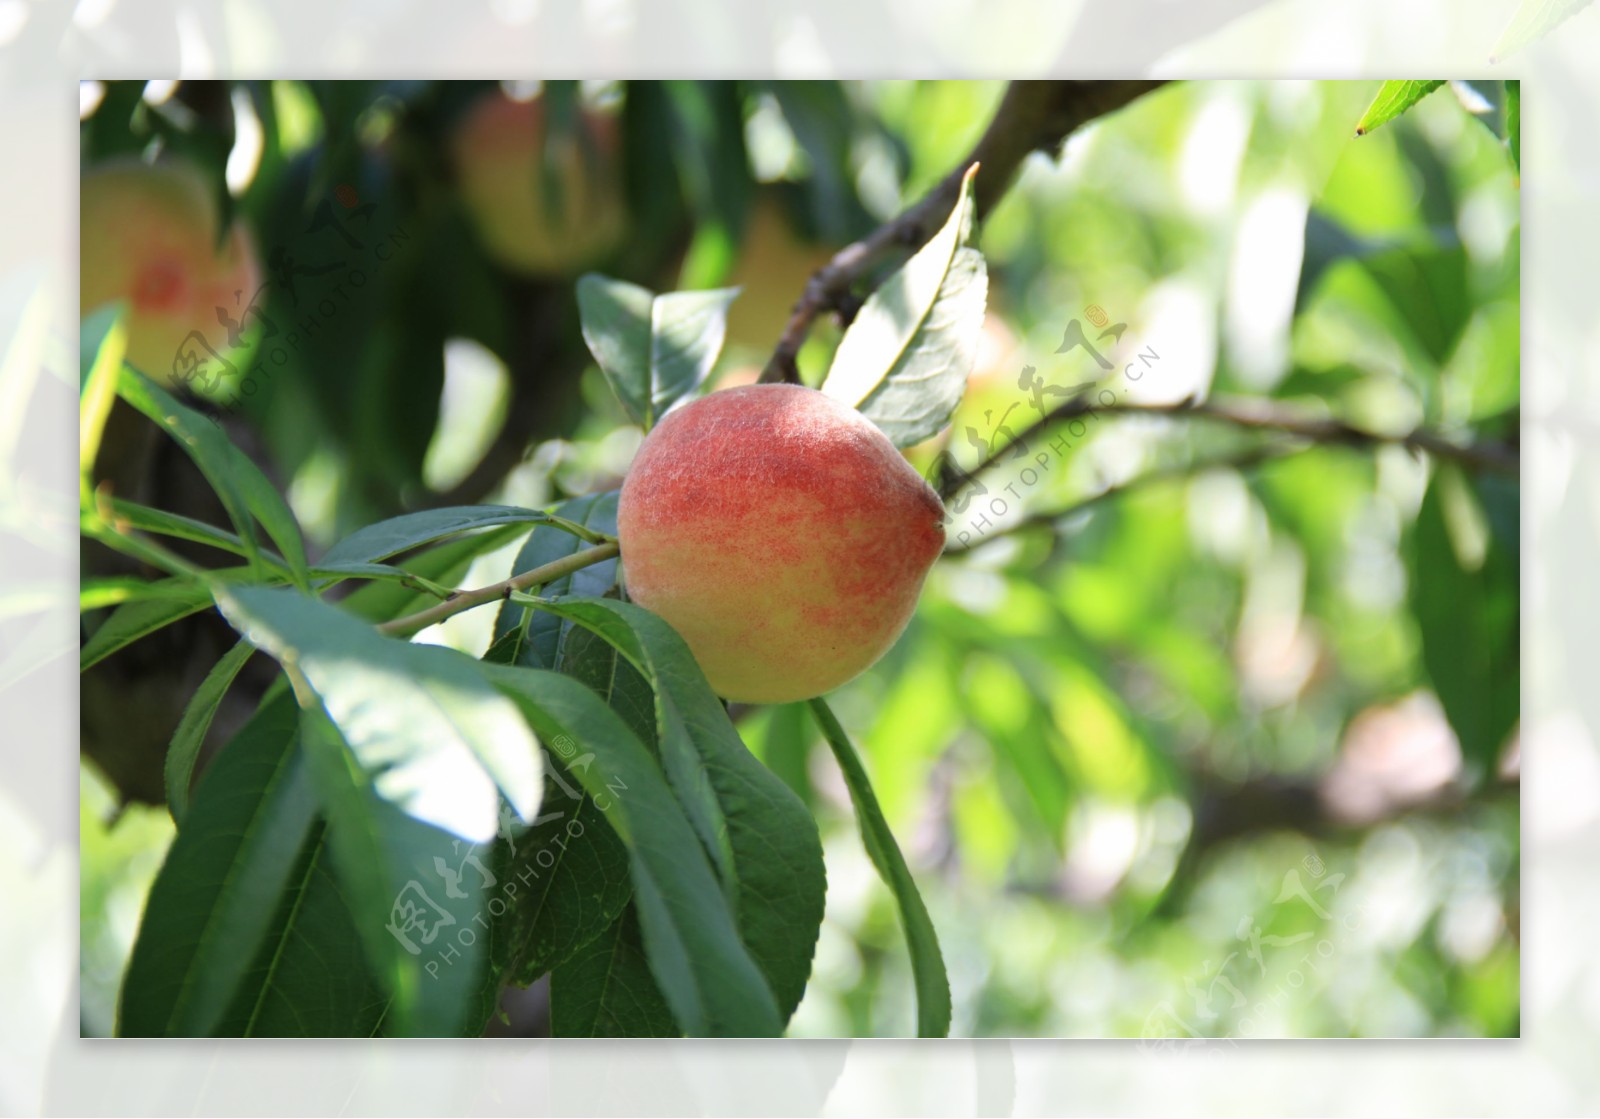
(445, 564)
(572, 867)
(542, 633)
(213, 903)
(162, 523)
(1514, 123)
(309, 977)
(571, 872)
(757, 833)
(399, 534)
(1534, 19)
(905, 359)
(406, 880)
(104, 335)
(654, 349)
(1393, 99)
(704, 972)
(606, 990)
(244, 491)
(423, 726)
(133, 620)
(192, 727)
(1464, 594)
(927, 962)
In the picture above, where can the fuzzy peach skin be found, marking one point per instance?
(781, 534)
(148, 234)
(499, 152)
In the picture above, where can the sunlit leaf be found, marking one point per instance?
(1393, 99)
(1514, 123)
(1533, 19)
(905, 359)
(103, 339)
(423, 727)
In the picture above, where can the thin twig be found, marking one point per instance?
(1256, 416)
(1031, 116)
(466, 600)
(1244, 460)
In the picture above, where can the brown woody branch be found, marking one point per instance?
(1032, 116)
(1256, 415)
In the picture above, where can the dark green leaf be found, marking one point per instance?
(757, 832)
(398, 534)
(654, 349)
(571, 872)
(542, 633)
(927, 962)
(381, 600)
(244, 491)
(214, 900)
(606, 990)
(905, 359)
(133, 620)
(691, 939)
(1464, 593)
(191, 732)
(162, 523)
(310, 977)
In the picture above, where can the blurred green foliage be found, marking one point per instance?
(1173, 766)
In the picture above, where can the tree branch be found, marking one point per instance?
(1245, 460)
(466, 600)
(1031, 116)
(1258, 415)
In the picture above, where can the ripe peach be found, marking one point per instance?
(781, 534)
(499, 156)
(148, 234)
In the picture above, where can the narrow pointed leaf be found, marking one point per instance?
(411, 530)
(704, 972)
(927, 962)
(756, 831)
(192, 727)
(1393, 99)
(905, 359)
(429, 733)
(243, 489)
(214, 901)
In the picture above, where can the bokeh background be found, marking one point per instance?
(1174, 765)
